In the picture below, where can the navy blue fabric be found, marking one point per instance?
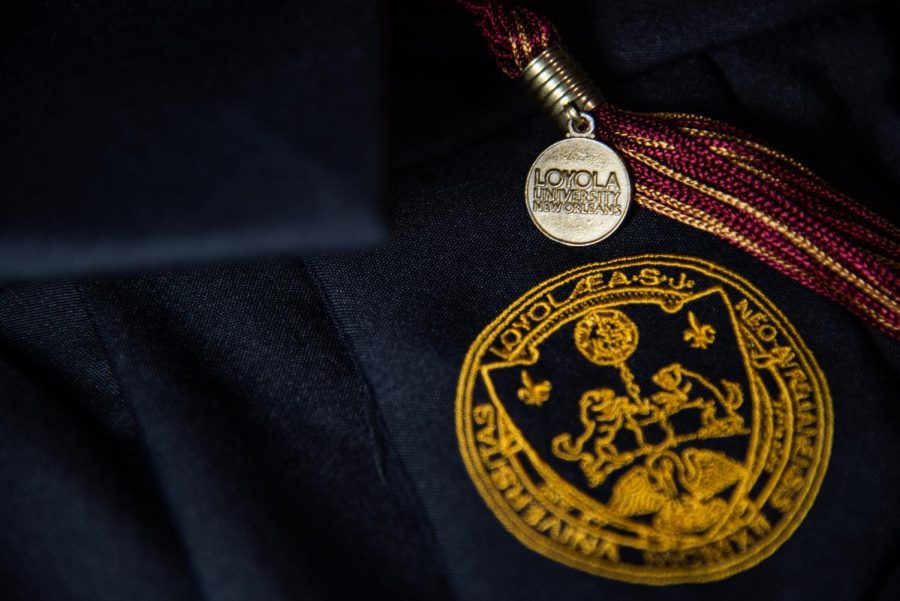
(205, 393)
(164, 132)
(197, 434)
(411, 323)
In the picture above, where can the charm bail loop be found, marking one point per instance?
(580, 124)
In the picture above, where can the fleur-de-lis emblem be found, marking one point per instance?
(534, 393)
(700, 335)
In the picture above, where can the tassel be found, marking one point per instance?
(712, 176)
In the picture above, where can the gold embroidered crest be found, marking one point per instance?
(689, 430)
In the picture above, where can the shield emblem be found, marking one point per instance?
(641, 407)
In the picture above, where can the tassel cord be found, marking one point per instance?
(690, 216)
(711, 176)
(688, 162)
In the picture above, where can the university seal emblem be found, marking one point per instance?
(652, 419)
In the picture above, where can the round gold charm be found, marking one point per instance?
(652, 419)
(578, 191)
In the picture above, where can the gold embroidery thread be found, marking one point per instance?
(657, 462)
(699, 335)
(534, 393)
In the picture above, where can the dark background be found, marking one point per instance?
(244, 248)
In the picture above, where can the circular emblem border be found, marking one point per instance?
(512, 520)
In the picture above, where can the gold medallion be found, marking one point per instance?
(578, 190)
(652, 419)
